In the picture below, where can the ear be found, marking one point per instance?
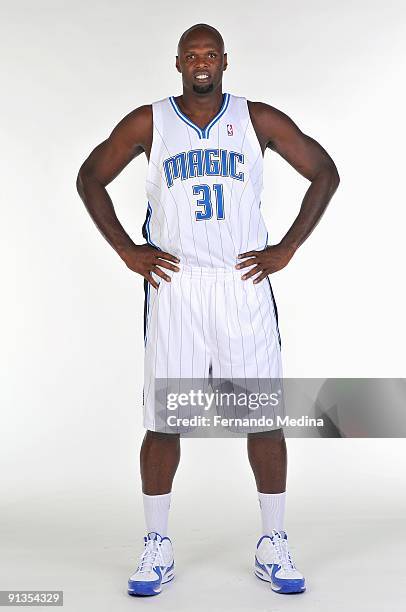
(225, 61)
(177, 64)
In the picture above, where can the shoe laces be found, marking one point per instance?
(151, 556)
(281, 546)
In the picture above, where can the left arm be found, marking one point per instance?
(278, 132)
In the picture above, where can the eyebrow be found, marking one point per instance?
(208, 49)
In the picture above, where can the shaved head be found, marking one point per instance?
(201, 59)
(200, 28)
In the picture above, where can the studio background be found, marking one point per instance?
(72, 313)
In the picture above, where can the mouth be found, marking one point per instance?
(202, 76)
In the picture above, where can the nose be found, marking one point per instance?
(201, 61)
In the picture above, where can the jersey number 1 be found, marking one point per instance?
(206, 201)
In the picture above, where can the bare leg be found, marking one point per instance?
(268, 458)
(159, 459)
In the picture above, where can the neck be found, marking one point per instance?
(201, 103)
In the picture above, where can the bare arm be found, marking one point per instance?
(131, 137)
(278, 132)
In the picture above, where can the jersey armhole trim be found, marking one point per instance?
(252, 129)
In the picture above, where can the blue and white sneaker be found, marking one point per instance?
(155, 568)
(274, 564)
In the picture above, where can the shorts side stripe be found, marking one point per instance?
(275, 309)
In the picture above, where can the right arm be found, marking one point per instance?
(131, 137)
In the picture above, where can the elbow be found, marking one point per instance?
(79, 183)
(328, 174)
(82, 177)
(87, 177)
(334, 177)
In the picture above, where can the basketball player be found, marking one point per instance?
(208, 301)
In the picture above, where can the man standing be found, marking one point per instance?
(205, 239)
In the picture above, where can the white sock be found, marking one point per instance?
(156, 512)
(272, 511)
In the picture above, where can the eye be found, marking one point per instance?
(212, 55)
(190, 56)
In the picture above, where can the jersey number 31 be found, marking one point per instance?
(205, 201)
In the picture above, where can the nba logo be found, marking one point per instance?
(229, 129)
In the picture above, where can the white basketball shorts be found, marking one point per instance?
(208, 321)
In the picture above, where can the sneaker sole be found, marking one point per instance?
(283, 590)
(146, 591)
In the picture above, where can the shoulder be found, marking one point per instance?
(135, 127)
(139, 117)
(262, 112)
(269, 122)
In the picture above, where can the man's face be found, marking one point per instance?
(202, 61)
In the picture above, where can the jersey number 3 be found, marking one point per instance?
(205, 201)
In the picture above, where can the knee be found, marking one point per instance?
(161, 436)
(274, 434)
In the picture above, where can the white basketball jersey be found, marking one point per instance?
(204, 185)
